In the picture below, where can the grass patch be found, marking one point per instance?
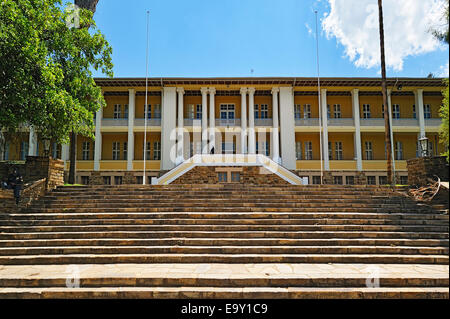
(73, 185)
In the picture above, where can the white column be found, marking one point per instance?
(204, 120)
(325, 129)
(243, 120)
(287, 128)
(212, 120)
(131, 116)
(357, 140)
(168, 128)
(98, 139)
(275, 137)
(32, 143)
(251, 121)
(180, 144)
(419, 105)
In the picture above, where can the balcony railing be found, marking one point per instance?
(150, 122)
(263, 122)
(341, 122)
(228, 122)
(114, 122)
(307, 122)
(433, 122)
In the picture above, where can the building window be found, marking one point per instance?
(125, 111)
(235, 177)
(229, 148)
(117, 111)
(366, 111)
(382, 111)
(85, 180)
(350, 180)
(339, 152)
(330, 151)
(337, 111)
(427, 111)
(414, 111)
(328, 112)
(125, 151)
(368, 151)
(56, 152)
(307, 111)
(85, 151)
(227, 113)
(371, 180)
(256, 108)
(223, 177)
(308, 151)
(198, 114)
(157, 151)
(262, 148)
(264, 111)
(147, 151)
(115, 151)
(157, 111)
(382, 180)
(117, 180)
(430, 148)
(337, 180)
(139, 180)
(190, 111)
(404, 180)
(297, 111)
(107, 180)
(149, 111)
(316, 180)
(6, 152)
(398, 150)
(298, 150)
(23, 151)
(396, 111)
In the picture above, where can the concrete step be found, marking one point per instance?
(221, 249)
(222, 258)
(225, 234)
(236, 215)
(207, 242)
(225, 293)
(272, 208)
(220, 228)
(211, 221)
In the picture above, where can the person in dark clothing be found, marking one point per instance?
(212, 151)
(15, 182)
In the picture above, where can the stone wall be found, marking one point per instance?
(36, 168)
(421, 169)
(30, 193)
(248, 175)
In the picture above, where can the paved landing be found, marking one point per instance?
(224, 271)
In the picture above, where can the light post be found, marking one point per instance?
(424, 146)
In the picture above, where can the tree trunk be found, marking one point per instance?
(387, 129)
(90, 5)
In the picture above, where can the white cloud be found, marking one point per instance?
(310, 31)
(354, 23)
(443, 71)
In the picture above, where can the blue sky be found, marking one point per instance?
(212, 38)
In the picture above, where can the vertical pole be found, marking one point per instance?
(320, 102)
(146, 104)
(384, 91)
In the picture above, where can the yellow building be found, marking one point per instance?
(279, 118)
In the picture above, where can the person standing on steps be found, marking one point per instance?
(15, 182)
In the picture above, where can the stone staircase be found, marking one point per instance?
(207, 232)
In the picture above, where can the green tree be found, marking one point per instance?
(46, 68)
(441, 32)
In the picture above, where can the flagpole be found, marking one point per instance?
(146, 104)
(320, 104)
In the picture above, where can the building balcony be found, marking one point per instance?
(150, 122)
(341, 122)
(264, 122)
(114, 122)
(307, 122)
